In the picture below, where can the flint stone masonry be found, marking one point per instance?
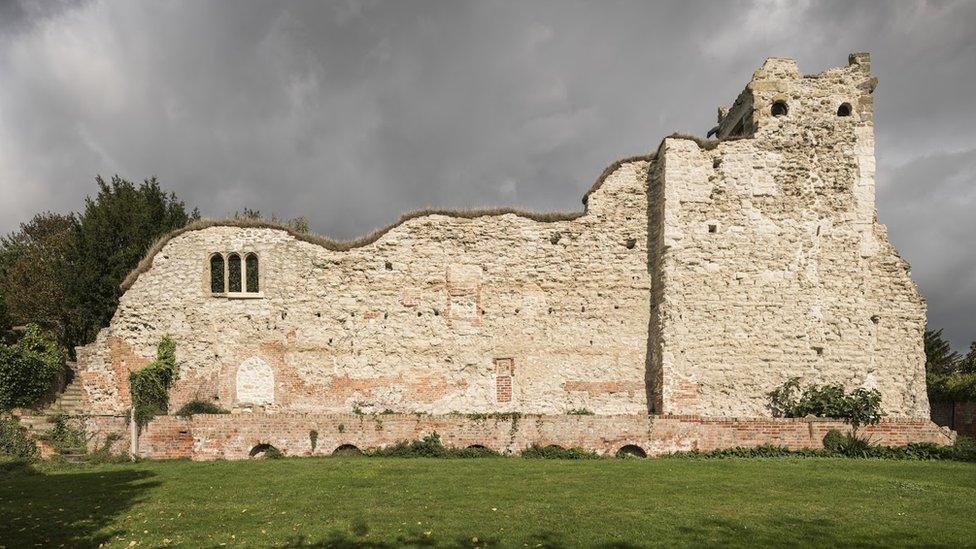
(696, 280)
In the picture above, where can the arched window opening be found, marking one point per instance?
(217, 274)
(234, 273)
(251, 268)
(844, 109)
(347, 450)
(780, 108)
(631, 451)
(264, 451)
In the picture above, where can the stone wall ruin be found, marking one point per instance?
(696, 280)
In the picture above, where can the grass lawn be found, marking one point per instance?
(385, 502)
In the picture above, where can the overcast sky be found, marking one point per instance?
(350, 112)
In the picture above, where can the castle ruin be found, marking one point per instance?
(695, 280)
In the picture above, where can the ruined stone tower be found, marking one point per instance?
(767, 256)
(696, 279)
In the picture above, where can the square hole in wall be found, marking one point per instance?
(712, 228)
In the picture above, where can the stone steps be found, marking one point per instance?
(37, 425)
(70, 402)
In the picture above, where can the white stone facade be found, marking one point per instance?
(696, 281)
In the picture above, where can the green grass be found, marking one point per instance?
(374, 502)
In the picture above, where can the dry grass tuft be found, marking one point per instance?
(612, 168)
(345, 245)
(704, 144)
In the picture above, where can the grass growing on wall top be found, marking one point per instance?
(344, 245)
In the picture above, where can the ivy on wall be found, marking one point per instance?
(149, 386)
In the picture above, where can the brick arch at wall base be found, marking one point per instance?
(210, 437)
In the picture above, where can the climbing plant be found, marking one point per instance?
(149, 386)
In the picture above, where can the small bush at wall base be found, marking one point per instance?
(429, 446)
(66, 438)
(15, 443)
(199, 407)
(557, 452)
(849, 446)
(833, 440)
(105, 455)
(764, 451)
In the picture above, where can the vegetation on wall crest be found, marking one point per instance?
(199, 407)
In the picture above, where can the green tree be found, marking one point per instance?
(114, 232)
(28, 369)
(968, 364)
(939, 356)
(35, 272)
(5, 322)
(949, 376)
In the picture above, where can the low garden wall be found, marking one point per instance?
(236, 436)
(958, 416)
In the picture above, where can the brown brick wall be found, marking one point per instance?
(208, 437)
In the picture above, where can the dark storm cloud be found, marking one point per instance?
(350, 112)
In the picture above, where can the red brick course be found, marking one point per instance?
(233, 436)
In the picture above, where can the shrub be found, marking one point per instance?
(860, 407)
(833, 440)
(579, 412)
(14, 441)
(471, 452)
(852, 446)
(64, 437)
(199, 407)
(764, 451)
(150, 386)
(429, 446)
(104, 453)
(964, 449)
(557, 452)
(837, 444)
(953, 387)
(28, 369)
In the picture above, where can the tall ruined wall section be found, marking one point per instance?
(440, 314)
(767, 259)
(693, 284)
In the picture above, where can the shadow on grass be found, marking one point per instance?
(70, 508)
(788, 531)
(711, 532)
(339, 540)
